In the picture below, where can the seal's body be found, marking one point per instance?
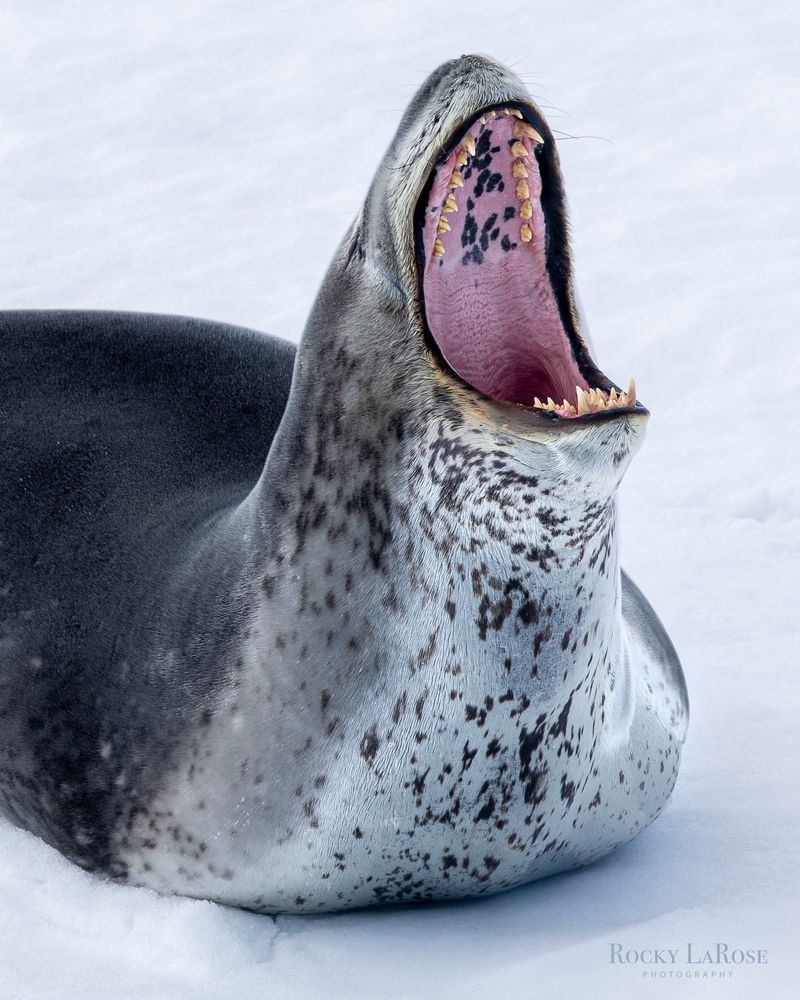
(122, 438)
(397, 659)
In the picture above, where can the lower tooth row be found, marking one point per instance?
(591, 401)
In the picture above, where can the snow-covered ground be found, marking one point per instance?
(204, 157)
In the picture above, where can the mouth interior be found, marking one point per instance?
(490, 303)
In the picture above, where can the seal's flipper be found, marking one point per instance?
(653, 655)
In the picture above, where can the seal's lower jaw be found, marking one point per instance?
(495, 272)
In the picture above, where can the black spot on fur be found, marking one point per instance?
(369, 745)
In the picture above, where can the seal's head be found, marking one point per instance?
(456, 279)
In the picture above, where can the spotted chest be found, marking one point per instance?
(420, 706)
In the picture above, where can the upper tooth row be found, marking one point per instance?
(518, 150)
(592, 400)
(520, 128)
(501, 113)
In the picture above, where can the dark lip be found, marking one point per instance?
(559, 267)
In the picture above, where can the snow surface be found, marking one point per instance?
(205, 158)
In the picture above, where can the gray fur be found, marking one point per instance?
(402, 665)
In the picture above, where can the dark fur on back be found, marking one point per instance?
(120, 435)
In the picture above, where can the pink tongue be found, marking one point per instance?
(488, 299)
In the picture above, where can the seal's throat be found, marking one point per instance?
(495, 271)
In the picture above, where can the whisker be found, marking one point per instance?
(562, 136)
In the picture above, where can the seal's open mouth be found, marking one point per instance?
(495, 270)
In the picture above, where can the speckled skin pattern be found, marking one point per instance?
(395, 661)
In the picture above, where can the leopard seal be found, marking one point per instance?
(299, 634)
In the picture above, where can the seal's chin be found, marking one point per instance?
(495, 272)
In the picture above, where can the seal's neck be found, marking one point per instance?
(411, 525)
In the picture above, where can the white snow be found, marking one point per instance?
(205, 158)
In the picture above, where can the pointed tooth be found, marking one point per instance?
(469, 144)
(444, 226)
(525, 233)
(450, 204)
(517, 149)
(537, 402)
(550, 404)
(632, 393)
(522, 189)
(438, 249)
(523, 128)
(461, 159)
(483, 119)
(525, 210)
(455, 180)
(612, 397)
(518, 169)
(583, 402)
(515, 112)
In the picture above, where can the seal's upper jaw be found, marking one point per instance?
(494, 272)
